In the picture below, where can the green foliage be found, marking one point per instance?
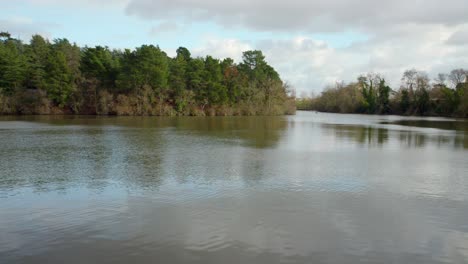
(100, 63)
(422, 101)
(177, 76)
(216, 91)
(196, 79)
(60, 77)
(183, 101)
(231, 80)
(405, 101)
(72, 56)
(37, 53)
(417, 96)
(339, 99)
(4, 36)
(383, 98)
(463, 106)
(12, 66)
(368, 93)
(147, 65)
(255, 66)
(447, 100)
(183, 53)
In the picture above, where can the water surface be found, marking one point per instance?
(310, 188)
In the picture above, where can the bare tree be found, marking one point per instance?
(441, 79)
(409, 79)
(422, 81)
(304, 95)
(289, 89)
(458, 76)
(339, 84)
(370, 80)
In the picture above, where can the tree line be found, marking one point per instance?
(446, 95)
(59, 77)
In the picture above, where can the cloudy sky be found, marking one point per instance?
(311, 43)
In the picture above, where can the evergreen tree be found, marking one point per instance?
(100, 63)
(216, 91)
(147, 65)
(12, 66)
(37, 54)
(101, 80)
(59, 78)
(383, 98)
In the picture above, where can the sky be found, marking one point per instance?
(311, 43)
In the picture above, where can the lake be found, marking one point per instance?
(309, 188)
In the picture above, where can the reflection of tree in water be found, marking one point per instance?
(418, 140)
(221, 149)
(458, 125)
(57, 153)
(50, 159)
(460, 140)
(257, 131)
(412, 139)
(365, 135)
(377, 136)
(137, 157)
(55, 158)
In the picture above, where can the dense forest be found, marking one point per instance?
(59, 77)
(446, 95)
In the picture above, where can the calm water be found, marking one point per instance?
(310, 188)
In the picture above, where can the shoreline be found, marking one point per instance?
(401, 115)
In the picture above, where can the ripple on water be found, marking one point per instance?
(311, 188)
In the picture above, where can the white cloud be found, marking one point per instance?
(311, 64)
(222, 48)
(305, 15)
(429, 35)
(164, 28)
(459, 37)
(24, 27)
(75, 3)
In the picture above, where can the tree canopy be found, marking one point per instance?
(446, 95)
(44, 77)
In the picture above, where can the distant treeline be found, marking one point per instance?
(447, 95)
(59, 77)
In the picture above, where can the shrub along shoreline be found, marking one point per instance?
(59, 77)
(446, 95)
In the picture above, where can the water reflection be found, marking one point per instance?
(259, 132)
(367, 135)
(312, 188)
(141, 151)
(379, 136)
(267, 229)
(460, 127)
(447, 124)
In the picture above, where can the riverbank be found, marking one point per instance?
(382, 115)
(59, 77)
(106, 103)
(371, 95)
